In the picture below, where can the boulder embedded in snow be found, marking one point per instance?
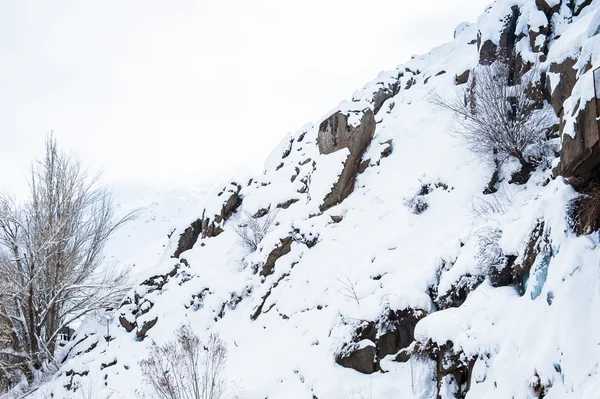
(283, 248)
(146, 326)
(463, 77)
(360, 357)
(353, 130)
(127, 325)
(397, 330)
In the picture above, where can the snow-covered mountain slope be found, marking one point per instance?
(387, 270)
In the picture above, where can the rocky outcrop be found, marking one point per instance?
(353, 130)
(382, 95)
(463, 77)
(453, 369)
(360, 357)
(568, 78)
(487, 52)
(391, 334)
(580, 156)
(490, 52)
(212, 225)
(135, 305)
(188, 238)
(281, 249)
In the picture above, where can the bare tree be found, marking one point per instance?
(52, 269)
(251, 230)
(186, 369)
(496, 116)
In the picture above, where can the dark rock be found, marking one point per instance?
(286, 204)
(283, 248)
(579, 8)
(361, 360)
(451, 367)
(463, 77)
(410, 83)
(506, 45)
(211, 226)
(387, 151)
(543, 6)
(396, 330)
(107, 365)
(188, 238)
(336, 218)
(580, 156)
(487, 53)
(260, 213)
(146, 326)
(382, 95)
(334, 134)
(363, 166)
(403, 356)
(127, 325)
(457, 295)
(568, 78)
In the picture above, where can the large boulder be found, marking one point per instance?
(360, 357)
(353, 130)
(580, 156)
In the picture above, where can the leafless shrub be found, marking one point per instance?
(485, 208)
(185, 368)
(354, 393)
(52, 270)
(584, 212)
(497, 116)
(346, 286)
(251, 231)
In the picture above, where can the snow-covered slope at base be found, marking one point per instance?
(283, 330)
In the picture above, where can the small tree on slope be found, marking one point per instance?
(498, 117)
(51, 265)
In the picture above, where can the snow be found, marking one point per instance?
(389, 256)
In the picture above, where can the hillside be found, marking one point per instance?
(399, 263)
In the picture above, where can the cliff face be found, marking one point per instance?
(386, 268)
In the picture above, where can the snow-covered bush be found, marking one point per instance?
(186, 368)
(417, 204)
(498, 115)
(489, 254)
(251, 230)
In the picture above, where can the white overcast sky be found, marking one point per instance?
(175, 92)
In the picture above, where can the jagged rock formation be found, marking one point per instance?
(352, 130)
